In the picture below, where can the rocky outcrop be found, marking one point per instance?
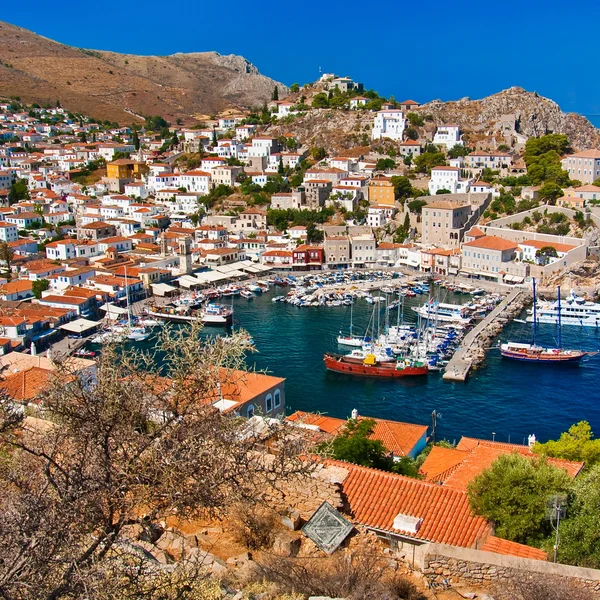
(526, 113)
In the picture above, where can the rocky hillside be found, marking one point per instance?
(113, 86)
(527, 113)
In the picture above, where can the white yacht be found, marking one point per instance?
(575, 310)
(450, 313)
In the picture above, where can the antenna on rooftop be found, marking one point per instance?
(556, 509)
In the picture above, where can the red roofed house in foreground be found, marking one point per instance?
(400, 439)
(456, 467)
(404, 510)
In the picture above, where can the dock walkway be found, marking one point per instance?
(460, 364)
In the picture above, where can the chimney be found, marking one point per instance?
(354, 413)
(531, 440)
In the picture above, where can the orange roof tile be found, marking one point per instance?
(440, 462)
(491, 242)
(27, 385)
(500, 546)
(397, 437)
(376, 498)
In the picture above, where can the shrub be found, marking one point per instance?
(254, 526)
(352, 575)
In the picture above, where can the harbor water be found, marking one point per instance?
(505, 400)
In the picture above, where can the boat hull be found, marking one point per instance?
(339, 365)
(544, 357)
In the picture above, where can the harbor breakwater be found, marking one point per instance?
(471, 353)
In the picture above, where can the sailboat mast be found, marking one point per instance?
(534, 315)
(559, 323)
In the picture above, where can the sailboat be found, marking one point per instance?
(129, 331)
(354, 341)
(535, 353)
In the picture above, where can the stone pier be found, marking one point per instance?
(472, 350)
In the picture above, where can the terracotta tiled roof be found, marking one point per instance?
(586, 154)
(376, 498)
(491, 242)
(27, 385)
(500, 546)
(456, 467)
(440, 462)
(475, 232)
(397, 437)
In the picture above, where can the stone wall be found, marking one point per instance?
(306, 494)
(465, 565)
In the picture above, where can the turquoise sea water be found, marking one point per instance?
(508, 398)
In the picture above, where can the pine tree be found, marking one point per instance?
(280, 168)
(136, 140)
(275, 94)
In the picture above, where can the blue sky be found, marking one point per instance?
(419, 50)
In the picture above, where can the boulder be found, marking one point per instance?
(287, 544)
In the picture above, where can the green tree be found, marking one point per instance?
(135, 138)
(355, 445)
(318, 153)
(457, 150)
(442, 192)
(513, 493)
(402, 187)
(542, 157)
(578, 444)
(39, 286)
(411, 133)
(320, 100)
(546, 253)
(18, 191)
(155, 123)
(383, 164)
(295, 87)
(415, 119)
(580, 532)
(550, 192)
(426, 161)
(275, 95)
(313, 235)
(6, 257)
(416, 206)
(280, 168)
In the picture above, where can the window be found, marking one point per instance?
(277, 397)
(250, 411)
(269, 402)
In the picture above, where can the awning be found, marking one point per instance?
(112, 309)
(232, 273)
(514, 278)
(162, 289)
(80, 325)
(187, 281)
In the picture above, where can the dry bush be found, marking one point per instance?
(543, 588)
(254, 526)
(364, 576)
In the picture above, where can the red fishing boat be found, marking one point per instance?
(370, 367)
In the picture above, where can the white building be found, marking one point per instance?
(363, 250)
(389, 124)
(583, 166)
(448, 135)
(8, 232)
(195, 181)
(447, 178)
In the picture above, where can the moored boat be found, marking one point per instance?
(535, 353)
(370, 367)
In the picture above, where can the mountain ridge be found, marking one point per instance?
(114, 86)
